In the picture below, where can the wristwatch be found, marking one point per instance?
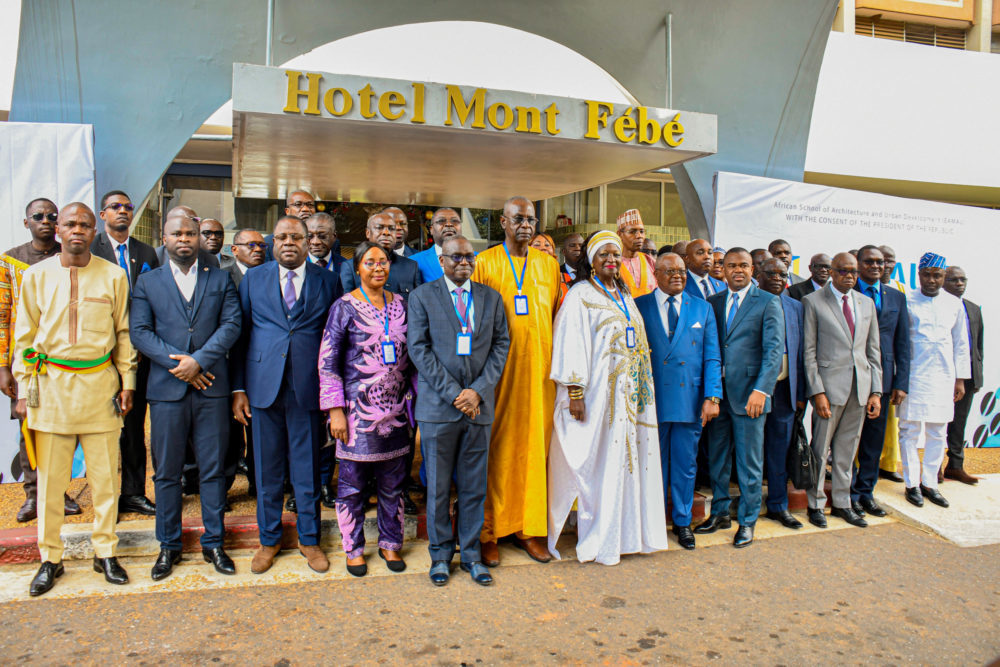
(715, 399)
(877, 393)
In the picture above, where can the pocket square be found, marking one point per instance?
(696, 325)
(145, 267)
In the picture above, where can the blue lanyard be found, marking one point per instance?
(621, 306)
(517, 282)
(463, 321)
(385, 308)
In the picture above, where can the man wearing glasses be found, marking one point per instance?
(40, 220)
(819, 273)
(213, 237)
(298, 204)
(134, 257)
(445, 224)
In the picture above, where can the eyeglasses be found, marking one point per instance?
(776, 274)
(253, 245)
(446, 222)
(458, 259)
(119, 205)
(673, 272)
(820, 267)
(873, 262)
(520, 220)
(370, 264)
(322, 236)
(38, 217)
(295, 238)
(847, 272)
(210, 234)
(303, 204)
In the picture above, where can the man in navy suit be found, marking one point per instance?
(275, 373)
(894, 344)
(185, 316)
(445, 225)
(752, 338)
(455, 397)
(402, 248)
(322, 237)
(699, 260)
(687, 374)
(789, 396)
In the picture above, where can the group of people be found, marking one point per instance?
(605, 384)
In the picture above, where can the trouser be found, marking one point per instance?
(352, 478)
(934, 447)
(837, 435)
(199, 422)
(731, 433)
(29, 476)
(678, 464)
(55, 468)
(870, 447)
(456, 450)
(778, 430)
(133, 437)
(956, 429)
(890, 448)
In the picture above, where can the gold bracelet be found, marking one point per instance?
(576, 394)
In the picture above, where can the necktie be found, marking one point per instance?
(290, 291)
(849, 316)
(671, 317)
(462, 312)
(874, 295)
(732, 311)
(321, 263)
(705, 289)
(122, 262)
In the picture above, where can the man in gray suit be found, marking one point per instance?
(843, 362)
(458, 341)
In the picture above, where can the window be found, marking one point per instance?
(915, 33)
(643, 195)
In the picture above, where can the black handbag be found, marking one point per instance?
(802, 464)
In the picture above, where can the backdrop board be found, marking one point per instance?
(752, 211)
(51, 160)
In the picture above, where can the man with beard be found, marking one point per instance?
(445, 224)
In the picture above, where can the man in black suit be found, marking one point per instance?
(781, 249)
(894, 346)
(184, 318)
(458, 341)
(571, 248)
(135, 257)
(402, 248)
(819, 273)
(955, 282)
(212, 238)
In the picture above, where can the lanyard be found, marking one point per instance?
(463, 321)
(385, 306)
(517, 282)
(621, 306)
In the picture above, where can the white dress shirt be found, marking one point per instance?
(850, 300)
(242, 267)
(186, 282)
(328, 259)
(816, 286)
(701, 287)
(661, 303)
(114, 249)
(729, 301)
(299, 277)
(470, 309)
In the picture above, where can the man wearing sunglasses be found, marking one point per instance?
(213, 237)
(134, 257)
(40, 220)
(298, 204)
(445, 224)
(819, 273)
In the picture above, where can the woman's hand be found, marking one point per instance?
(338, 424)
(578, 409)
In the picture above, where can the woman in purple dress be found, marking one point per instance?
(366, 386)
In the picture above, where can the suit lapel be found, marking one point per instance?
(273, 293)
(682, 322)
(201, 284)
(838, 314)
(307, 284)
(444, 297)
(742, 309)
(133, 266)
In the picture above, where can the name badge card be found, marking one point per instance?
(463, 344)
(520, 305)
(388, 352)
(630, 337)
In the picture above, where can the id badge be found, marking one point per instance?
(629, 337)
(520, 305)
(463, 344)
(388, 352)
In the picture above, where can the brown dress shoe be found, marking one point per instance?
(28, 511)
(70, 507)
(535, 548)
(489, 552)
(960, 475)
(264, 558)
(317, 560)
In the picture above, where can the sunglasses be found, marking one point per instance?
(253, 245)
(38, 217)
(847, 272)
(210, 234)
(458, 259)
(117, 205)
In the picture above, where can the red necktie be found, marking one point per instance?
(849, 316)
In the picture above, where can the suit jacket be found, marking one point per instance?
(976, 344)
(690, 287)
(687, 368)
(408, 250)
(234, 272)
(142, 257)
(404, 276)
(225, 261)
(162, 324)
(894, 339)
(276, 341)
(792, 310)
(430, 267)
(752, 348)
(833, 358)
(432, 327)
(337, 262)
(800, 289)
(205, 258)
(795, 279)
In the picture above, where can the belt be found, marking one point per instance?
(39, 362)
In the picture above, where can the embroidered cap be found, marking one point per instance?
(629, 217)
(931, 260)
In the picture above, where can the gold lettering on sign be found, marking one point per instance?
(493, 113)
(367, 95)
(418, 103)
(597, 119)
(294, 93)
(476, 107)
(329, 101)
(389, 100)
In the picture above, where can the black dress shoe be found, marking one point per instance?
(328, 496)
(857, 508)
(291, 506)
(164, 564)
(70, 507)
(685, 536)
(409, 507)
(914, 496)
(241, 467)
(113, 572)
(394, 565)
(849, 515)
(28, 512)
(785, 518)
(871, 507)
(934, 496)
(744, 537)
(45, 579)
(817, 518)
(217, 556)
(479, 573)
(136, 505)
(439, 572)
(713, 523)
(358, 570)
(890, 475)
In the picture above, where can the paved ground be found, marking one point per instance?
(887, 594)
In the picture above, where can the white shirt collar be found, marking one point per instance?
(816, 285)
(452, 286)
(661, 298)
(115, 244)
(178, 273)
(300, 271)
(742, 292)
(326, 258)
(437, 250)
(837, 293)
(241, 266)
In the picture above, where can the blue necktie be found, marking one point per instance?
(732, 311)
(122, 262)
(671, 317)
(874, 296)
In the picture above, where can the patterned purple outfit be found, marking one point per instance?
(377, 399)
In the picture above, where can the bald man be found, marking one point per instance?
(298, 204)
